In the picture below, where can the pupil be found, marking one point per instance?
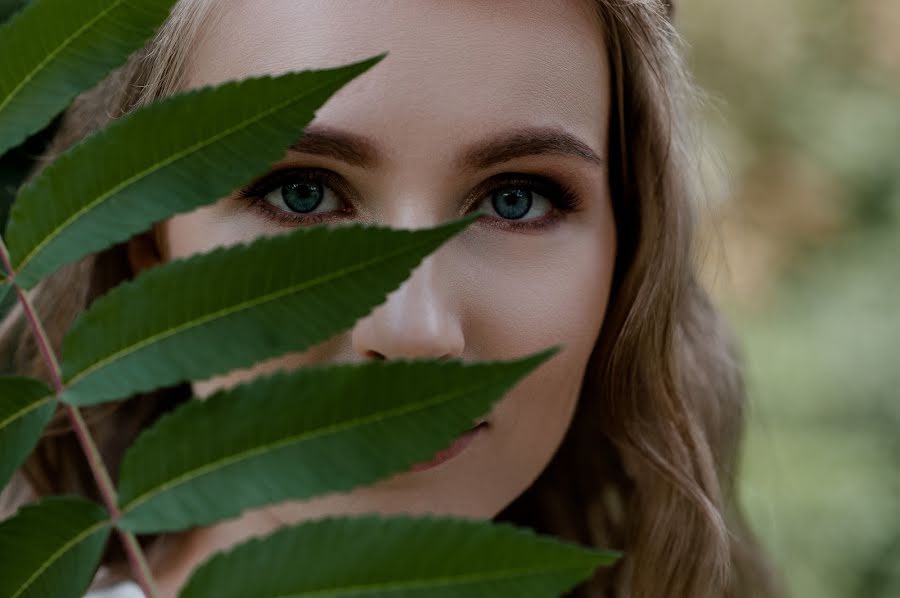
(512, 203)
(302, 197)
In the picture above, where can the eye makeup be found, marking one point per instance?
(255, 193)
(562, 198)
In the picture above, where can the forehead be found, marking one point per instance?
(454, 70)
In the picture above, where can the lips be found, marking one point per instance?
(454, 449)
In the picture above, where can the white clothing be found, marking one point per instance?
(126, 589)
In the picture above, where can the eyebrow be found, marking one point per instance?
(361, 151)
(341, 145)
(532, 141)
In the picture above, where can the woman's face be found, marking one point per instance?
(499, 107)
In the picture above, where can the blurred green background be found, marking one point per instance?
(803, 237)
(803, 253)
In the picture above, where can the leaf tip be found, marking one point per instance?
(535, 359)
(457, 225)
(352, 70)
(606, 558)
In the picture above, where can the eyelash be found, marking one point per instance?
(563, 199)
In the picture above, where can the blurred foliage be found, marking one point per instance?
(804, 116)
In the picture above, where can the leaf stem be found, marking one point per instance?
(136, 558)
(43, 341)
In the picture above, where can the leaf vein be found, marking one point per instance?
(53, 54)
(22, 412)
(306, 435)
(156, 166)
(244, 305)
(58, 554)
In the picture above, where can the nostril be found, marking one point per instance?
(375, 355)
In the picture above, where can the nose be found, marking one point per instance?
(415, 322)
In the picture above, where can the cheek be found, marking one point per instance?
(527, 292)
(204, 388)
(216, 225)
(533, 293)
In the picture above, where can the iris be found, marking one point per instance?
(303, 196)
(512, 202)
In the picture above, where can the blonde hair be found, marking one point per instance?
(649, 464)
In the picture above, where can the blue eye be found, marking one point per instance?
(306, 196)
(514, 202)
(518, 200)
(303, 196)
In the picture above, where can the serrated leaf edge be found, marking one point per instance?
(238, 307)
(23, 263)
(50, 57)
(307, 435)
(430, 582)
(597, 556)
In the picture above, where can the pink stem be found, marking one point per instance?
(136, 558)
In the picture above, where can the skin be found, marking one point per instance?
(457, 74)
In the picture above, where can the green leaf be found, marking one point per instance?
(397, 557)
(296, 435)
(54, 49)
(26, 407)
(51, 548)
(169, 157)
(206, 315)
